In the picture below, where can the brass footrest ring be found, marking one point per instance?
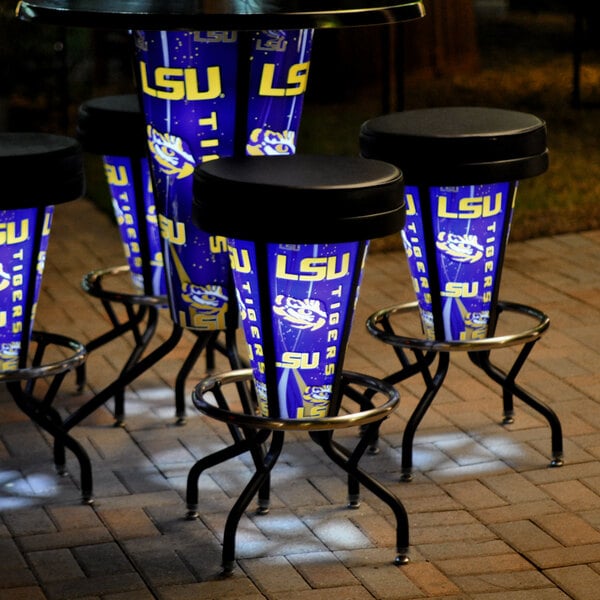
(77, 358)
(473, 345)
(257, 421)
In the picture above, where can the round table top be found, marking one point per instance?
(218, 14)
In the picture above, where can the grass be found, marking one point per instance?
(526, 65)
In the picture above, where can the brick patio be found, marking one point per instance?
(489, 518)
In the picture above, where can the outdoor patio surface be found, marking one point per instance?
(488, 517)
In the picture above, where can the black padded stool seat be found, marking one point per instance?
(293, 204)
(112, 126)
(48, 170)
(313, 198)
(461, 167)
(458, 145)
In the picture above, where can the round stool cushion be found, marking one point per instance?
(45, 169)
(458, 145)
(298, 198)
(112, 126)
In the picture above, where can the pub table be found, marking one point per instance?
(215, 78)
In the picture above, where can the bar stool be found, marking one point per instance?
(114, 128)
(461, 166)
(48, 170)
(297, 286)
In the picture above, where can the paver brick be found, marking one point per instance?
(579, 581)
(525, 535)
(569, 529)
(128, 523)
(430, 580)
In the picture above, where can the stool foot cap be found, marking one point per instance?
(61, 470)
(119, 423)
(401, 559)
(373, 449)
(228, 568)
(557, 461)
(180, 421)
(508, 420)
(353, 501)
(406, 476)
(191, 514)
(87, 499)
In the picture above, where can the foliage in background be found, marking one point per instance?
(526, 65)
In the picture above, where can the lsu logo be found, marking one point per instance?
(266, 142)
(170, 153)
(208, 298)
(300, 314)
(4, 278)
(461, 248)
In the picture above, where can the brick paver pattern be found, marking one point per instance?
(489, 518)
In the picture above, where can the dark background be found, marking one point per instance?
(513, 54)
(46, 71)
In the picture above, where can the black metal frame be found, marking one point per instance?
(425, 353)
(21, 384)
(252, 431)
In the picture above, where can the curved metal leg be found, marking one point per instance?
(510, 388)
(479, 351)
(257, 481)
(245, 440)
(209, 343)
(142, 339)
(204, 340)
(417, 415)
(134, 318)
(125, 379)
(349, 462)
(46, 418)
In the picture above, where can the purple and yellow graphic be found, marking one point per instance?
(469, 233)
(312, 298)
(120, 178)
(18, 263)
(199, 90)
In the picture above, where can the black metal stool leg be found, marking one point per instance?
(349, 462)
(240, 446)
(254, 485)
(255, 430)
(479, 351)
(125, 379)
(510, 388)
(203, 341)
(245, 440)
(417, 415)
(21, 385)
(141, 343)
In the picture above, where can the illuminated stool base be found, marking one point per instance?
(114, 127)
(326, 209)
(254, 431)
(382, 326)
(49, 171)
